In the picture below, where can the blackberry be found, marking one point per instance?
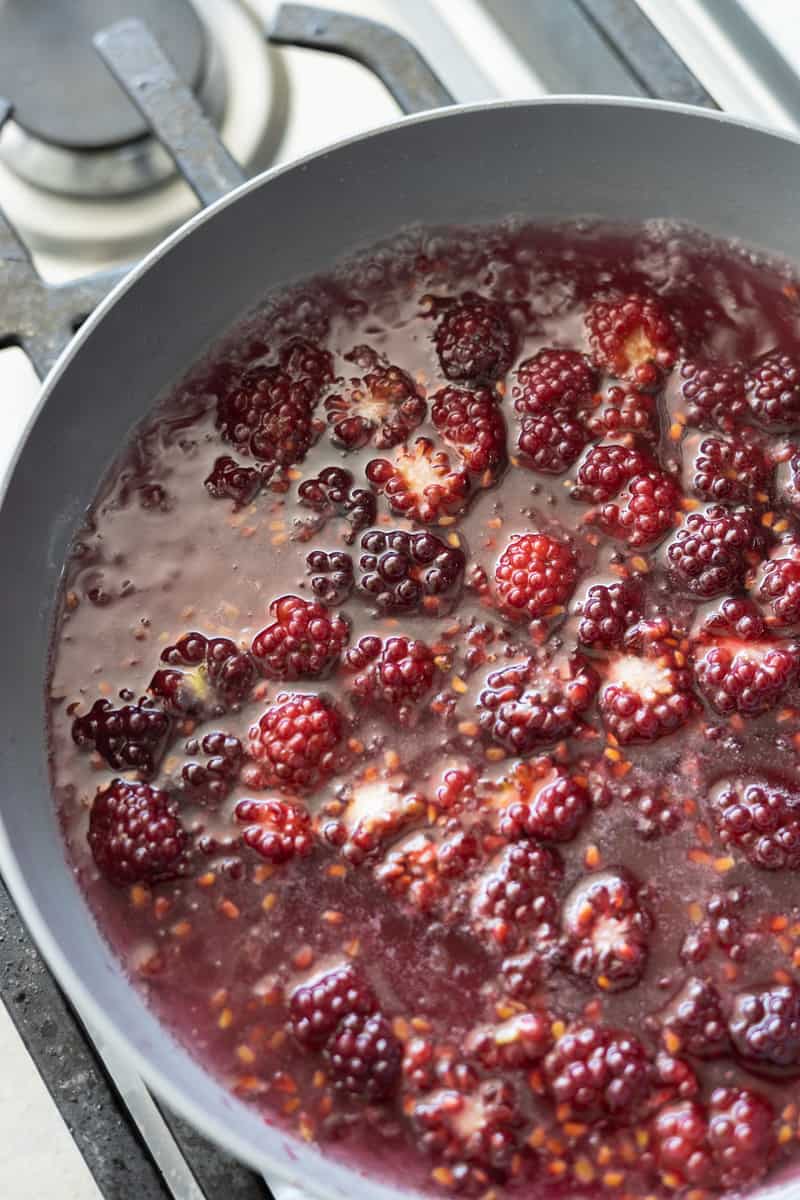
(554, 813)
(694, 1017)
(363, 1057)
(680, 1145)
(303, 642)
(553, 380)
(708, 554)
(316, 1008)
(535, 574)
(473, 1129)
(525, 707)
(773, 390)
(135, 834)
(598, 1072)
(332, 575)
(518, 1042)
(741, 1135)
(762, 821)
(609, 930)
(420, 482)
(518, 891)
(779, 589)
(764, 1026)
(606, 470)
(211, 781)
(277, 831)
(647, 692)
(403, 572)
(295, 743)
(229, 480)
(475, 340)
(270, 416)
(551, 442)
(379, 409)
(714, 393)
(730, 471)
(745, 677)
(472, 423)
(332, 493)
(607, 613)
(130, 738)
(397, 671)
(624, 411)
(632, 337)
(642, 513)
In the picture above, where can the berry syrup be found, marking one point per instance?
(425, 707)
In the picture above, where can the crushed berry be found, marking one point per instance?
(745, 677)
(132, 737)
(332, 493)
(201, 673)
(402, 571)
(779, 589)
(420, 482)
(598, 1072)
(609, 930)
(135, 834)
(332, 576)
(380, 410)
(535, 574)
(274, 829)
(730, 470)
(475, 340)
(553, 380)
(316, 1009)
(762, 821)
(647, 691)
(551, 442)
(765, 1029)
(472, 424)
(519, 1041)
(518, 891)
(303, 642)
(295, 742)
(398, 671)
(773, 390)
(632, 337)
(528, 706)
(230, 480)
(714, 393)
(694, 1019)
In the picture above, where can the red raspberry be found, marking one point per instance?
(363, 1057)
(632, 337)
(397, 671)
(528, 706)
(520, 1041)
(694, 1016)
(518, 891)
(714, 393)
(473, 1129)
(647, 693)
(609, 930)
(551, 442)
(380, 409)
(708, 554)
(762, 821)
(598, 1072)
(475, 340)
(201, 672)
(623, 411)
(605, 471)
(331, 493)
(535, 574)
(680, 1145)
(269, 415)
(745, 677)
(135, 834)
(741, 1135)
(131, 738)
(773, 390)
(728, 470)
(404, 572)
(472, 423)
(316, 1008)
(553, 380)
(608, 612)
(780, 588)
(332, 576)
(553, 812)
(294, 743)
(420, 483)
(274, 829)
(229, 480)
(765, 1029)
(304, 641)
(644, 512)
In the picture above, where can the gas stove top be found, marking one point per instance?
(89, 189)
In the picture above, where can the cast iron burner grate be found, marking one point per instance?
(137, 1147)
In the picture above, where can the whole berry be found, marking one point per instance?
(709, 553)
(517, 891)
(765, 1029)
(598, 1072)
(773, 390)
(527, 706)
(551, 442)
(535, 574)
(135, 834)
(230, 480)
(303, 642)
(406, 572)
(316, 1008)
(553, 380)
(606, 470)
(333, 493)
(270, 416)
(761, 820)
(363, 1057)
(643, 512)
(680, 1145)
(379, 409)
(132, 737)
(779, 589)
(609, 930)
(203, 673)
(274, 829)
(741, 1134)
(730, 470)
(693, 1021)
(745, 677)
(398, 670)
(625, 411)
(420, 482)
(475, 340)
(632, 337)
(554, 812)
(607, 613)
(713, 393)
(295, 742)
(472, 423)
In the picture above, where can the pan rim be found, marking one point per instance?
(217, 1129)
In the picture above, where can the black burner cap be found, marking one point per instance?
(61, 90)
